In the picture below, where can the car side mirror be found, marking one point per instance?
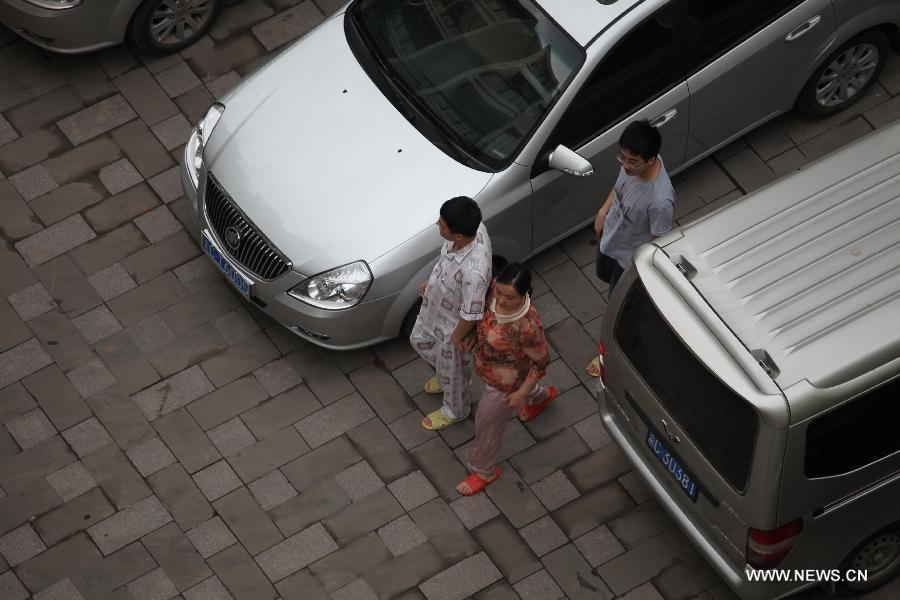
(570, 162)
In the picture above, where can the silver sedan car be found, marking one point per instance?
(317, 182)
(74, 26)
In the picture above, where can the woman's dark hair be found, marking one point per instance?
(516, 275)
(462, 215)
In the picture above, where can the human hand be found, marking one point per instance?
(598, 226)
(422, 288)
(468, 343)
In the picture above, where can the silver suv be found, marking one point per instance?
(317, 182)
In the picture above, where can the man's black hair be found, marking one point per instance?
(462, 215)
(642, 139)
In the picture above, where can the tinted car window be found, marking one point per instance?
(856, 434)
(719, 25)
(639, 69)
(720, 423)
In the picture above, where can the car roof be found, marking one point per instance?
(808, 269)
(585, 19)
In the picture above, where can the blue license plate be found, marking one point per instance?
(680, 474)
(242, 284)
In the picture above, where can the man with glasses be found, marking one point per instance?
(637, 209)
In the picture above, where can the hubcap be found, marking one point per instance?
(847, 75)
(880, 556)
(175, 21)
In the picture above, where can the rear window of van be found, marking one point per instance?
(719, 422)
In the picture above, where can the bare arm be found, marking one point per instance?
(462, 329)
(604, 210)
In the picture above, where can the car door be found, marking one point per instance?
(639, 78)
(749, 60)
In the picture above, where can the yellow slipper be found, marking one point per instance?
(433, 386)
(437, 420)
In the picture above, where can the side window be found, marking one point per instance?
(859, 433)
(719, 25)
(639, 69)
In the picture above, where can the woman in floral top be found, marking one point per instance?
(511, 357)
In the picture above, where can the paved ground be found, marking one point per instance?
(163, 440)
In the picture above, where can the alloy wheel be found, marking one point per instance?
(174, 21)
(847, 75)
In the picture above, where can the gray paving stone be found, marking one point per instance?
(33, 182)
(321, 464)
(350, 562)
(55, 240)
(236, 325)
(203, 306)
(33, 463)
(413, 490)
(277, 376)
(130, 368)
(241, 575)
(32, 302)
(359, 480)
(13, 330)
(281, 411)
(67, 285)
(31, 429)
(217, 480)
(211, 537)
(413, 375)
(770, 139)
(599, 546)
(87, 436)
(15, 401)
(358, 590)
(177, 79)
(227, 402)
(475, 510)
(173, 393)
(569, 408)
(334, 420)
(154, 585)
(91, 378)
(193, 272)
(646, 591)
(641, 524)
(440, 466)
(96, 119)
(363, 516)
(187, 350)
(145, 95)
(129, 525)
(288, 25)
(11, 588)
(301, 586)
(151, 333)
(577, 294)
(543, 536)
(401, 535)
(708, 179)
(167, 185)
(638, 565)
(406, 571)
(19, 220)
(142, 148)
(240, 359)
(296, 552)
(71, 481)
(119, 176)
(574, 575)
(382, 392)
(270, 453)
(749, 170)
(555, 490)
(593, 509)
(231, 436)
(835, 138)
(248, 521)
(506, 548)
(160, 257)
(462, 579)
(221, 58)
(323, 376)
(150, 456)
(31, 149)
(514, 499)
(7, 132)
(539, 586)
(223, 84)
(83, 161)
(593, 432)
(158, 224)
(106, 251)
(409, 431)
(555, 452)
(172, 132)
(186, 440)
(598, 468)
(272, 489)
(116, 411)
(69, 558)
(445, 532)
(111, 469)
(314, 504)
(74, 516)
(210, 589)
(374, 441)
(122, 207)
(20, 544)
(61, 590)
(636, 487)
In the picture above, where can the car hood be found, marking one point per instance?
(327, 168)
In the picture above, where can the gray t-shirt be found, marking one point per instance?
(641, 210)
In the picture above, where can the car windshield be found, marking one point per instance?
(485, 71)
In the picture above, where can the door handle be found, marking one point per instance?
(664, 118)
(803, 29)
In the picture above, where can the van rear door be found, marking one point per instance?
(696, 407)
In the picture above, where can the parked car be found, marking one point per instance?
(74, 26)
(317, 182)
(752, 375)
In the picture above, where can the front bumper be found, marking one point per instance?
(367, 323)
(84, 28)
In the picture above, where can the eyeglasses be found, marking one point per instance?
(630, 162)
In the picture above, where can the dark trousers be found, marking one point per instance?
(608, 270)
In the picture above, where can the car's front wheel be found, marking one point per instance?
(845, 75)
(164, 26)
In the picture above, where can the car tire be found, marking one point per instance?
(165, 26)
(879, 555)
(410, 320)
(845, 76)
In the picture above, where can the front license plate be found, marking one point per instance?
(681, 475)
(242, 284)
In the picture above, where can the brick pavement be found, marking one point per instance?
(160, 439)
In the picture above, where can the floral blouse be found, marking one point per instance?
(506, 354)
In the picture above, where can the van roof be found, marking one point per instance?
(808, 268)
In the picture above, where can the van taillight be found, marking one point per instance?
(602, 365)
(766, 549)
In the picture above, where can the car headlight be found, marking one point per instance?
(193, 154)
(338, 288)
(54, 4)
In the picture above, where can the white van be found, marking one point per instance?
(752, 375)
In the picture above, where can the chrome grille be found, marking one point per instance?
(254, 252)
